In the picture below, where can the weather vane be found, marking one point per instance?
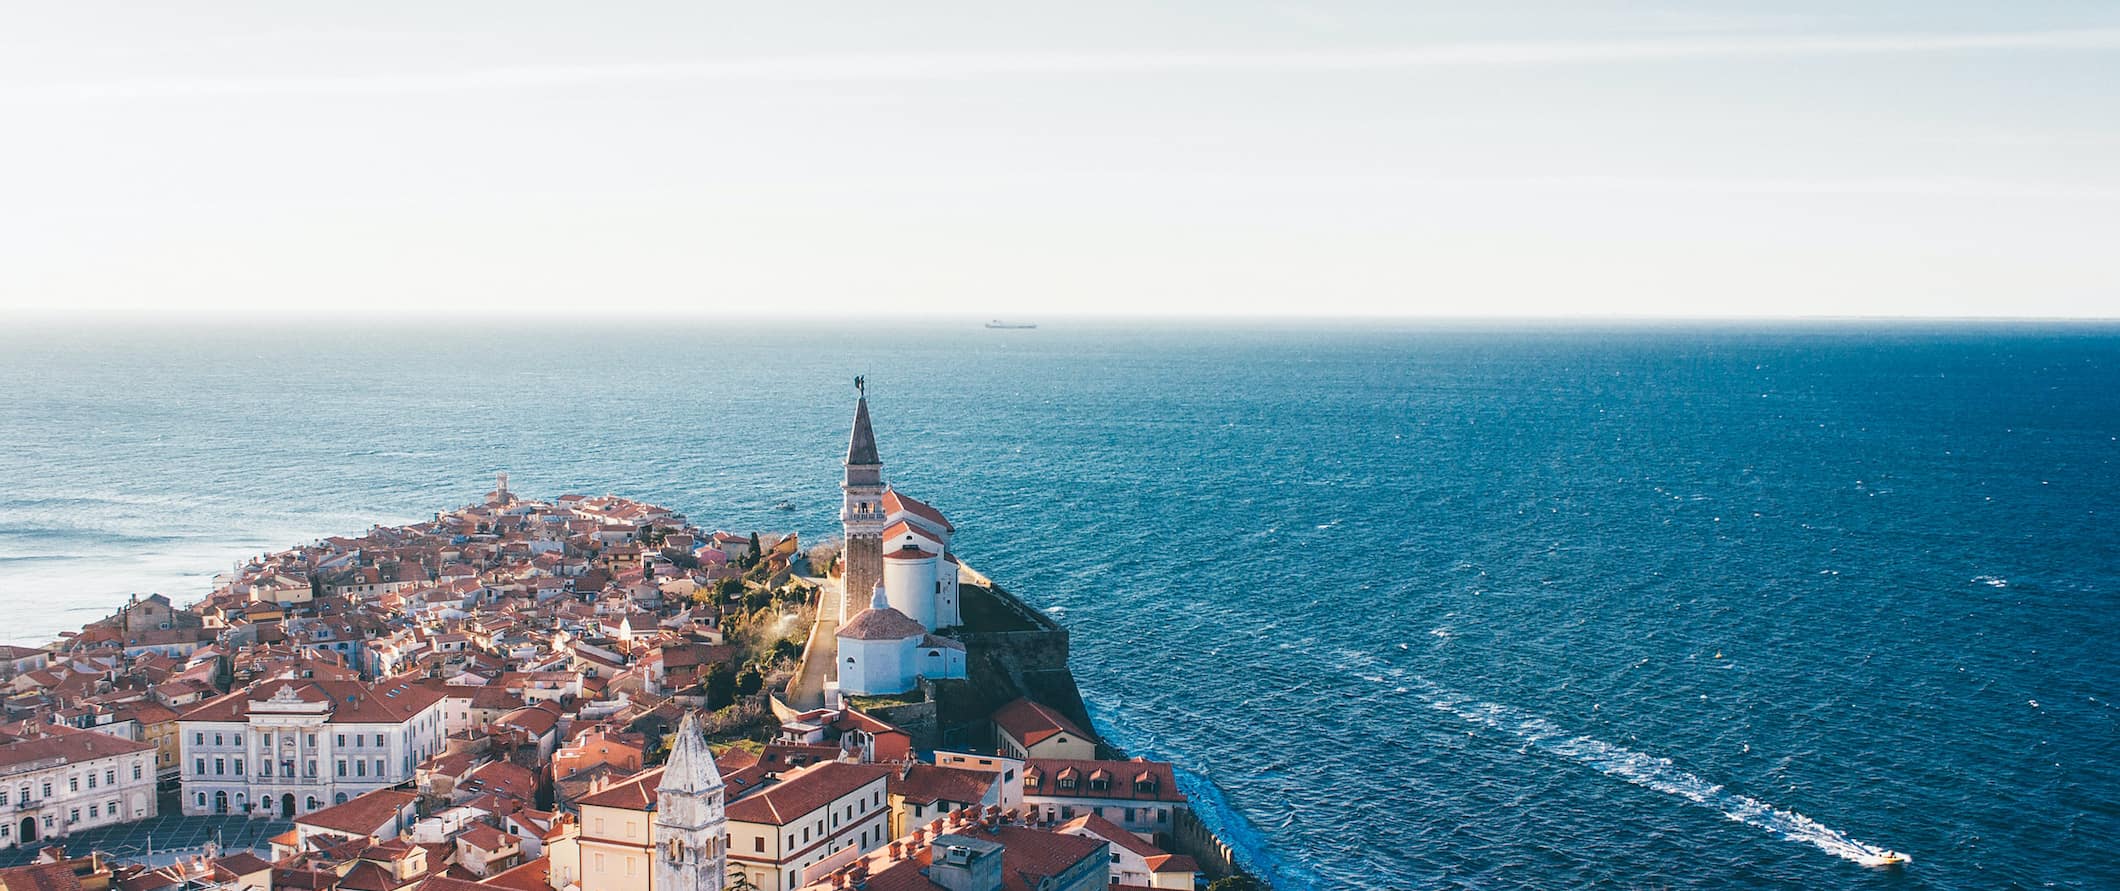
(861, 384)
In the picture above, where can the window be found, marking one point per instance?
(111, 808)
(311, 767)
(239, 766)
(220, 766)
(758, 844)
(342, 767)
(217, 739)
(360, 768)
(73, 784)
(94, 811)
(199, 766)
(378, 767)
(136, 770)
(378, 740)
(198, 739)
(342, 740)
(110, 777)
(311, 804)
(312, 740)
(73, 815)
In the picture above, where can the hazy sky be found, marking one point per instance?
(1690, 157)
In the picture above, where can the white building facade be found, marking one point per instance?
(284, 748)
(56, 781)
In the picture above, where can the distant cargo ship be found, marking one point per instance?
(997, 323)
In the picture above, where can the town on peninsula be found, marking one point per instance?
(587, 693)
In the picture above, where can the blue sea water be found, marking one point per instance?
(1412, 607)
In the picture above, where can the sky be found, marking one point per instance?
(1705, 158)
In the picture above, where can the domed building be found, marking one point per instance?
(883, 651)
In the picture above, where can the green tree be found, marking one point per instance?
(749, 681)
(786, 649)
(721, 687)
(1238, 882)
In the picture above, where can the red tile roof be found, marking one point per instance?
(1030, 722)
(895, 501)
(389, 702)
(1041, 776)
(24, 744)
(797, 794)
(40, 877)
(881, 624)
(533, 875)
(363, 814)
(927, 784)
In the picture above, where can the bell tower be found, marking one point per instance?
(691, 827)
(861, 509)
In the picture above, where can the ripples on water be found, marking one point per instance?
(1682, 607)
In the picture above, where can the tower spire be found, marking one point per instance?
(861, 446)
(690, 769)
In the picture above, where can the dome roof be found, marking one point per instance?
(881, 624)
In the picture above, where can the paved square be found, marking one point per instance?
(161, 840)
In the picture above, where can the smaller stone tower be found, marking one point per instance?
(691, 824)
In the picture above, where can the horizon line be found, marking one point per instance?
(127, 317)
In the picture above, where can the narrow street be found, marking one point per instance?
(822, 650)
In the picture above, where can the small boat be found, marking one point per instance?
(1883, 858)
(997, 323)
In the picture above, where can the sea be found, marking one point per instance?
(1410, 605)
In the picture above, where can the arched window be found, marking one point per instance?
(677, 850)
(339, 798)
(312, 804)
(850, 660)
(200, 799)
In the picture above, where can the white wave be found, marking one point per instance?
(1651, 772)
(1992, 581)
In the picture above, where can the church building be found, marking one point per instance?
(898, 561)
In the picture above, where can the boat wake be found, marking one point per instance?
(1659, 774)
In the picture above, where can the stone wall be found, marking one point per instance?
(1192, 838)
(1023, 652)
